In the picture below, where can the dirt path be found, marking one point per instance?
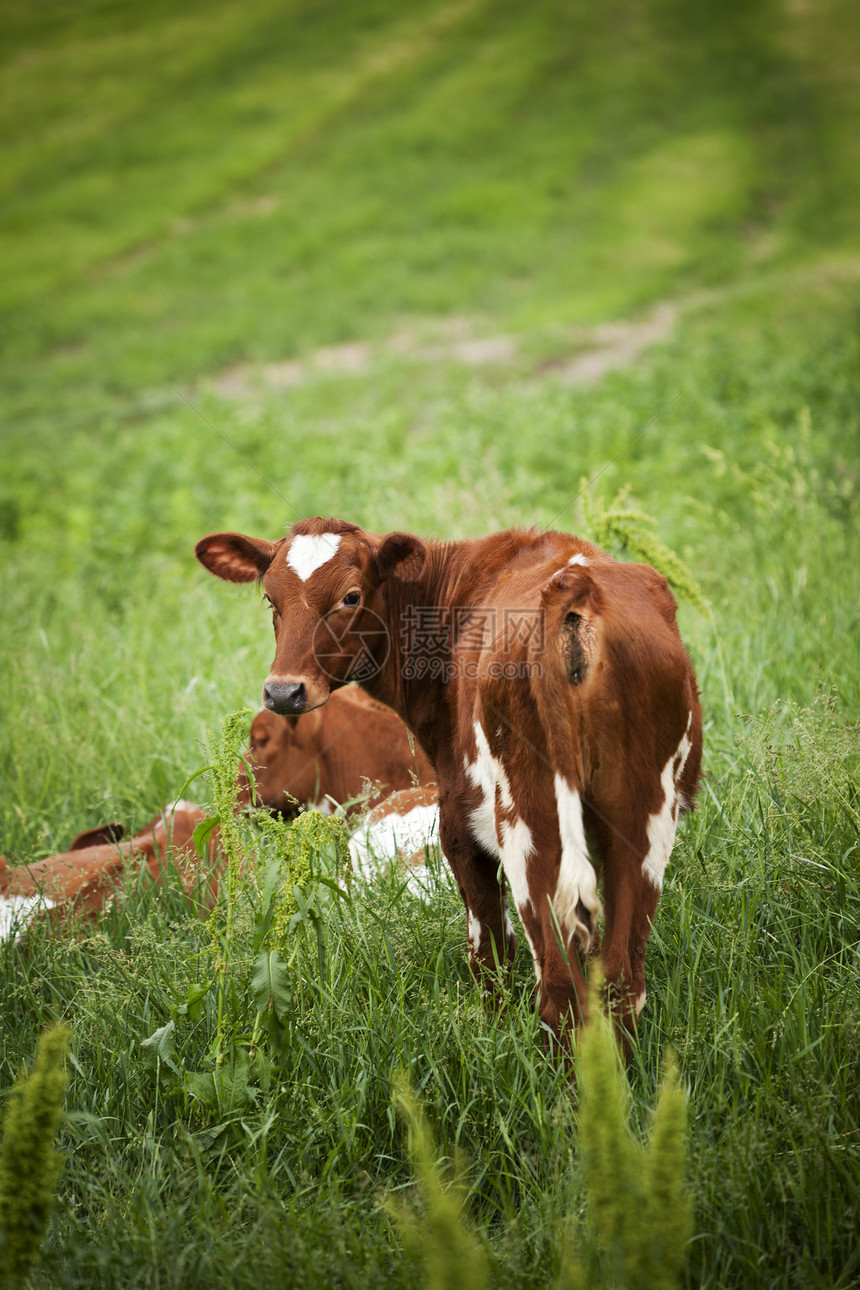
(593, 351)
(590, 351)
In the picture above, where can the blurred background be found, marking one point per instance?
(190, 189)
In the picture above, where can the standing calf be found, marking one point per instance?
(549, 687)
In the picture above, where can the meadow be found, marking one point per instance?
(436, 267)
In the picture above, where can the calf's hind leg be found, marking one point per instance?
(630, 896)
(492, 942)
(560, 993)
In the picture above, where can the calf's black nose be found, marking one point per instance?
(285, 697)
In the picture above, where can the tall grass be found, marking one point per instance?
(752, 978)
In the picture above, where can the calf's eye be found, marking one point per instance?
(352, 598)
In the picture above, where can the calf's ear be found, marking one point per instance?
(400, 555)
(101, 835)
(235, 558)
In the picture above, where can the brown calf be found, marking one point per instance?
(548, 686)
(329, 754)
(83, 878)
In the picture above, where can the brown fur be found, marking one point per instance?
(330, 754)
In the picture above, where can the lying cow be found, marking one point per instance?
(83, 878)
(326, 756)
(399, 830)
(548, 686)
(403, 828)
(330, 755)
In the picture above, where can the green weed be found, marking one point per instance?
(29, 1164)
(640, 1216)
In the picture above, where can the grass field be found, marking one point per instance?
(430, 267)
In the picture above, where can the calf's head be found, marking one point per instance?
(282, 753)
(324, 582)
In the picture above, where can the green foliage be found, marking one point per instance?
(276, 873)
(312, 844)
(225, 754)
(638, 1210)
(808, 758)
(669, 1205)
(612, 1156)
(617, 526)
(449, 1255)
(29, 1164)
(640, 1217)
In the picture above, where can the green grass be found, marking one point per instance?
(188, 190)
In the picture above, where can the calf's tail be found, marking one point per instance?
(561, 660)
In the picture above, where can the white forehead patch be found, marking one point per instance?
(308, 553)
(579, 558)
